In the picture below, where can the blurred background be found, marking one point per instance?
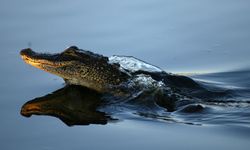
(176, 35)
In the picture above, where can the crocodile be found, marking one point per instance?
(101, 73)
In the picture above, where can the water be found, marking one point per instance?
(193, 36)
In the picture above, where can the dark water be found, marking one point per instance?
(193, 36)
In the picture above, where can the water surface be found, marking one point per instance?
(182, 36)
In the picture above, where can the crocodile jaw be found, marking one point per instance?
(39, 60)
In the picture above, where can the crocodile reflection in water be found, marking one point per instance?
(74, 105)
(77, 105)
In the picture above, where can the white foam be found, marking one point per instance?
(133, 64)
(147, 81)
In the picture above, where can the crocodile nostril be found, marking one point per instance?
(26, 51)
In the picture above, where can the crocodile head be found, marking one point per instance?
(77, 67)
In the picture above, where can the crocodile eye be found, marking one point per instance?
(74, 47)
(71, 50)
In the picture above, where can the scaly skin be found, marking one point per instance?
(78, 67)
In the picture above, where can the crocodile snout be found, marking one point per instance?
(27, 52)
